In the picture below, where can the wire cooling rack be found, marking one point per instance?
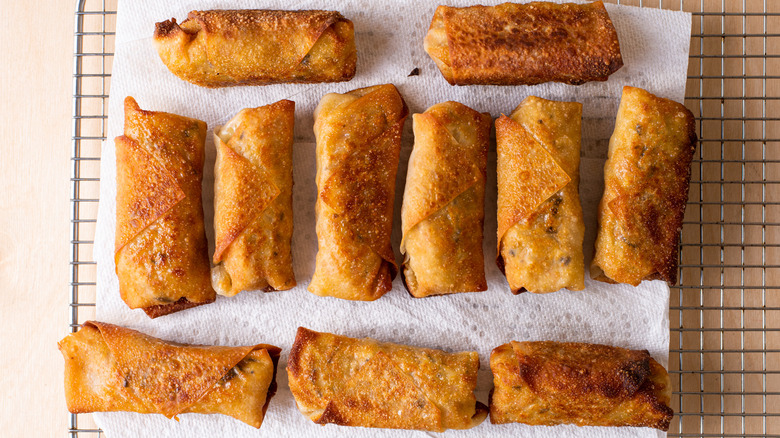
(725, 317)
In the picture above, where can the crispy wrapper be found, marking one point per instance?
(362, 382)
(253, 217)
(646, 179)
(524, 44)
(358, 146)
(540, 226)
(548, 383)
(160, 248)
(443, 208)
(111, 368)
(222, 48)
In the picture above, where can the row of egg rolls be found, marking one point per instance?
(160, 240)
(362, 382)
(160, 250)
(506, 44)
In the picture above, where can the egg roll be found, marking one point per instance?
(358, 138)
(161, 254)
(253, 217)
(540, 225)
(549, 383)
(110, 368)
(444, 199)
(362, 382)
(222, 48)
(524, 44)
(646, 179)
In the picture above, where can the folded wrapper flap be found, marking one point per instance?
(154, 375)
(252, 187)
(155, 188)
(530, 175)
(449, 167)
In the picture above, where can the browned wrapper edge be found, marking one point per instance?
(275, 353)
(164, 28)
(166, 309)
(402, 270)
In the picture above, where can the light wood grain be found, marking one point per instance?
(35, 95)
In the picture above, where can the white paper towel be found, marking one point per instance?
(389, 39)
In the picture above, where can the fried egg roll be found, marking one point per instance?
(160, 249)
(443, 208)
(110, 368)
(646, 179)
(549, 383)
(524, 44)
(362, 382)
(222, 48)
(540, 225)
(253, 217)
(358, 145)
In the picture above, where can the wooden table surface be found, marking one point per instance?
(36, 43)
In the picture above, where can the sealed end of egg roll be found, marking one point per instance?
(524, 44)
(253, 217)
(160, 247)
(646, 179)
(365, 383)
(540, 225)
(110, 368)
(358, 145)
(222, 48)
(443, 208)
(549, 383)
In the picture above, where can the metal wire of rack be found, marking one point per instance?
(724, 317)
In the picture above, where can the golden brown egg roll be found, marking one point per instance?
(524, 44)
(540, 225)
(358, 145)
(444, 201)
(160, 249)
(646, 179)
(253, 217)
(362, 382)
(111, 368)
(223, 48)
(548, 383)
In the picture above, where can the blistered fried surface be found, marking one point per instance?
(253, 216)
(549, 383)
(524, 44)
(540, 225)
(362, 382)
(160, 251)
(358, 145)
(111, 368)
(220, 48)
(646, 179)
(443, 208)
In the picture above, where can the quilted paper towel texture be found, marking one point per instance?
(389, 38)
